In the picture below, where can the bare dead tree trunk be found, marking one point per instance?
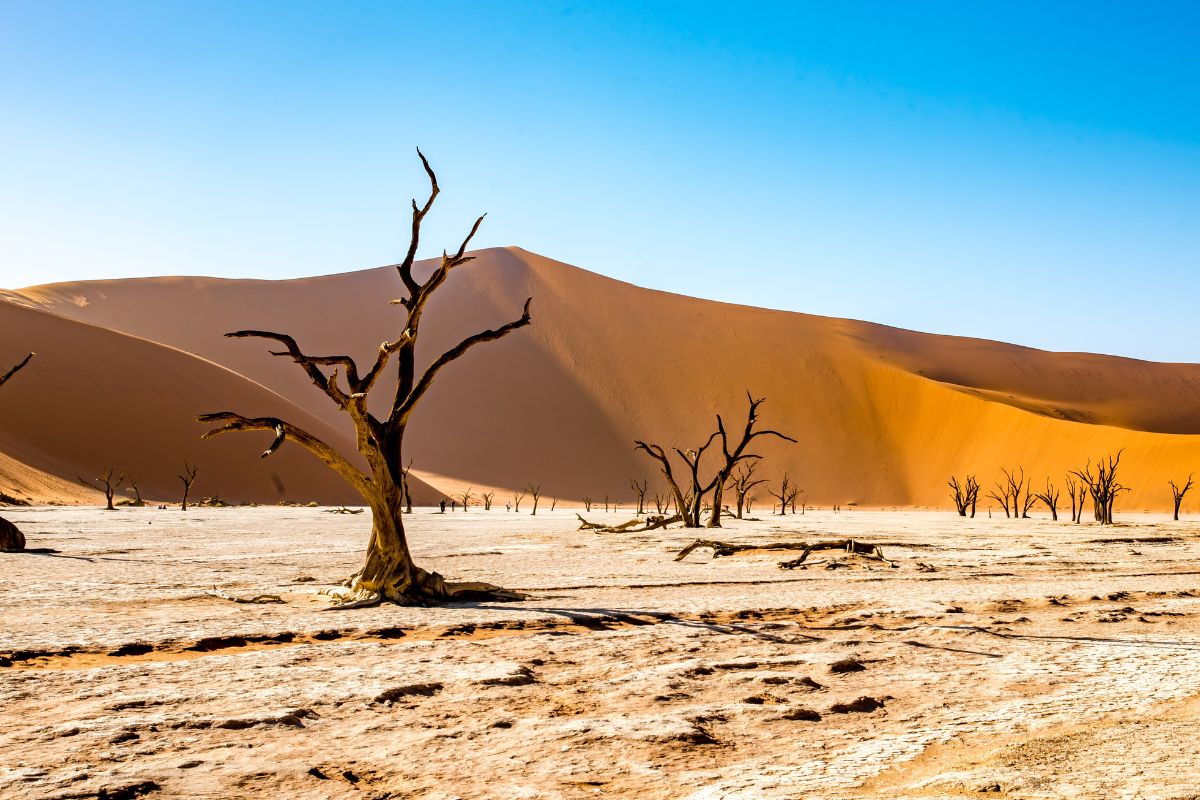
(187, 479)
(784, 495)
(404, 487)
(1103, 486)
(692, 508)
(535, 491)
(108, 482)
(1050, 498)
(639, 491)
(487, 500)
(137, 501)
(388, 572)
(965, 495)
(743, 481)
(587, 504)
(1178, 492)
(517, 498)
(465, 498)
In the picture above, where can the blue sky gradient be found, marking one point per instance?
(1028, 172)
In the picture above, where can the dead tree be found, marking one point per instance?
(587, 504)
(187, 479)
(1000, 495)
(11, 538)
(518, 496)
(534, 491)
(661, 502)
(691, 506)
(1177, 492)
(388, 571)
(606, 502)
(1072, 489)
(108, 482)
(487, 500)
(742, 481)
(1050, 498)
(137, 501)
(1103, 486)
(639, 491)
(966, 495)
(404, 487)
(786, 494)
(465, 497)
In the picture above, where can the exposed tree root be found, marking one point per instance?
(418, 588)
(728, 549)
(344, 510)
(650, 523)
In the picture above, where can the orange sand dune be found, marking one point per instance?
(93, 398)
(883, 416)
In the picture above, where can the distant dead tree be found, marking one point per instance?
(1072, 492)
(1103, 486)
(1177, 492)
(187, 479)
(534, 491)
(1050, 498)
(606, 502)
(108, 482)
(691, 504)
(639, 491)
(786, 494)
(388, 572)
(518, 496)
(553, 503)
(662, 502)
(137, 501)
(742, 482)
(465, 497)
(487, 500)
(1008, 492)
(587, 503)
(404, 487)
(11, 538)
(966, 495)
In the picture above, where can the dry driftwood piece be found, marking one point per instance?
(846, 545)
(727, 549)
(650, 523)
(261, 599)
(344, 510)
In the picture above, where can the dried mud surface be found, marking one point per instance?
(998, 658)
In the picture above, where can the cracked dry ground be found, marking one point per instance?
(997, 658)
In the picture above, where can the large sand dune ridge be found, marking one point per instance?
(883, 415)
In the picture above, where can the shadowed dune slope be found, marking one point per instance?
(883, 416)
(93, 398)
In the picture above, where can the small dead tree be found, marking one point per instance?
(742, 482)
(606, 502)
(786, 494)
(487, 500)
(691, 506)
(388, 572)
(11, 538)
(534, 491)
(639, 491)
(1178, 492)
(1072, 492)
(587, 503)
(137, 501)
(661, 502)
(187, 479)
(518, 496)
(1050, 498)
(108, 482)
(1103, 486)
(553, 503)
(404, 487)
(966, 495)
(465, 497)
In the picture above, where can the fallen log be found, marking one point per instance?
(846, 545)
(727, 549)
(652, 522)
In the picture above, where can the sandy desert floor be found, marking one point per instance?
(998, 658)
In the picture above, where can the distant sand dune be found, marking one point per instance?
(883, 415)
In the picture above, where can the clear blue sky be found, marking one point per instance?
(1021, 171)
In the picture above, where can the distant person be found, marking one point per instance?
(507, 507)
(443, 504)
(453, 506)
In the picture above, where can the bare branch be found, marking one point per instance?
(16, 369)
(405, 408)
(310, 364)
